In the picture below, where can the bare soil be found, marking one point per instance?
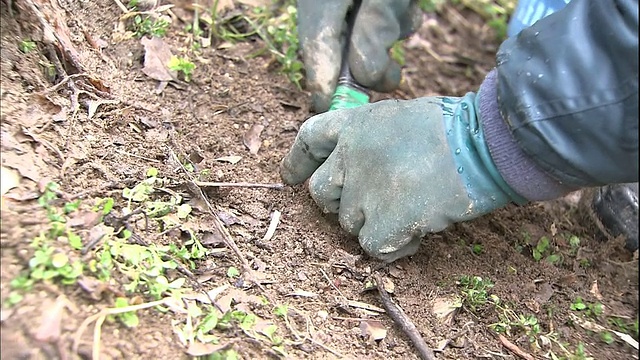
(208, 118)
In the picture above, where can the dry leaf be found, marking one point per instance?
(27, 164)
(9, 179)
(373, 330)
(94, 104)
(233, 159)
(302, 293)
(156, 57)
(595, 291)
(199, 349)
(275, 219)
(255, 3)
(252, 139)
(445, 309)
(86, 219)
(49, 330)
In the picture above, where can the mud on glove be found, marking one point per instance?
(395, 170)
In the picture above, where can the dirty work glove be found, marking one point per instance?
(379, 24)
(396, 170)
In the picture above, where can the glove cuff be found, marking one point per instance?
(517, 169)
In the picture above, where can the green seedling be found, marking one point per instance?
(607, 337)
(590, 309)
(475, 291)
(129, 318)
(150, 25)
(511, 322)
(233, 272)
(495, 12)
(430, 6)
(477, 249)
(397, 52)
(27, 46)
(281, 39)
(578, 305)
(540, 248)
(182, 65)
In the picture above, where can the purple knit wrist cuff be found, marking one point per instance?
(518, 170)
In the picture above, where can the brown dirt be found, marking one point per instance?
(231, 91)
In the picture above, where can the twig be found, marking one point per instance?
(332, 284)
(226, 236)
(122, 152)
(276, 186)
(275, 219)
(121, 6)
(403, 321)
(514, 348)
(57, 86)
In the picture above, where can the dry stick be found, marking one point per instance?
(514, 348)
(403, 321)
(226, 236)
(276, 186)
(121, 6)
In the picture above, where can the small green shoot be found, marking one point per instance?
(477, 249)
(182, 65)
(150, 25)
(540, 248)
(607, 337)
(232, 272)
(27, 46)
(475, 290)
(397, 53)
(578, 304)
(129, 319)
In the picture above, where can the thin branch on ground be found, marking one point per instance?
(226, 236)
(276, 186)
(514, 348)
(403, 321)
(121, 6)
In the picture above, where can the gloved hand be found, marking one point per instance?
(396, 170)
(379, 24)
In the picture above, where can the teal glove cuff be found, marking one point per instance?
(484, 184)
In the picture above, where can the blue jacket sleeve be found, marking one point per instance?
(568, 91)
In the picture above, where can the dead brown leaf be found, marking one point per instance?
(445, 309)
(156, 57)
(372, 330)
(49, 330)
(86, 219)
(252, 139)
(9, 179)
(200, 349)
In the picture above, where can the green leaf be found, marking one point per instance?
(281, 310)
(248, 322)
(152, 172)
(183, 211)
(74, 240)
(209, 322)
(59, 260)
(232, 272)
(14, 298)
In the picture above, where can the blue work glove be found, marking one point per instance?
(379, 24)
(394, 171)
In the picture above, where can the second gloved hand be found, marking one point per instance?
(394, 171)
(322, 26)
